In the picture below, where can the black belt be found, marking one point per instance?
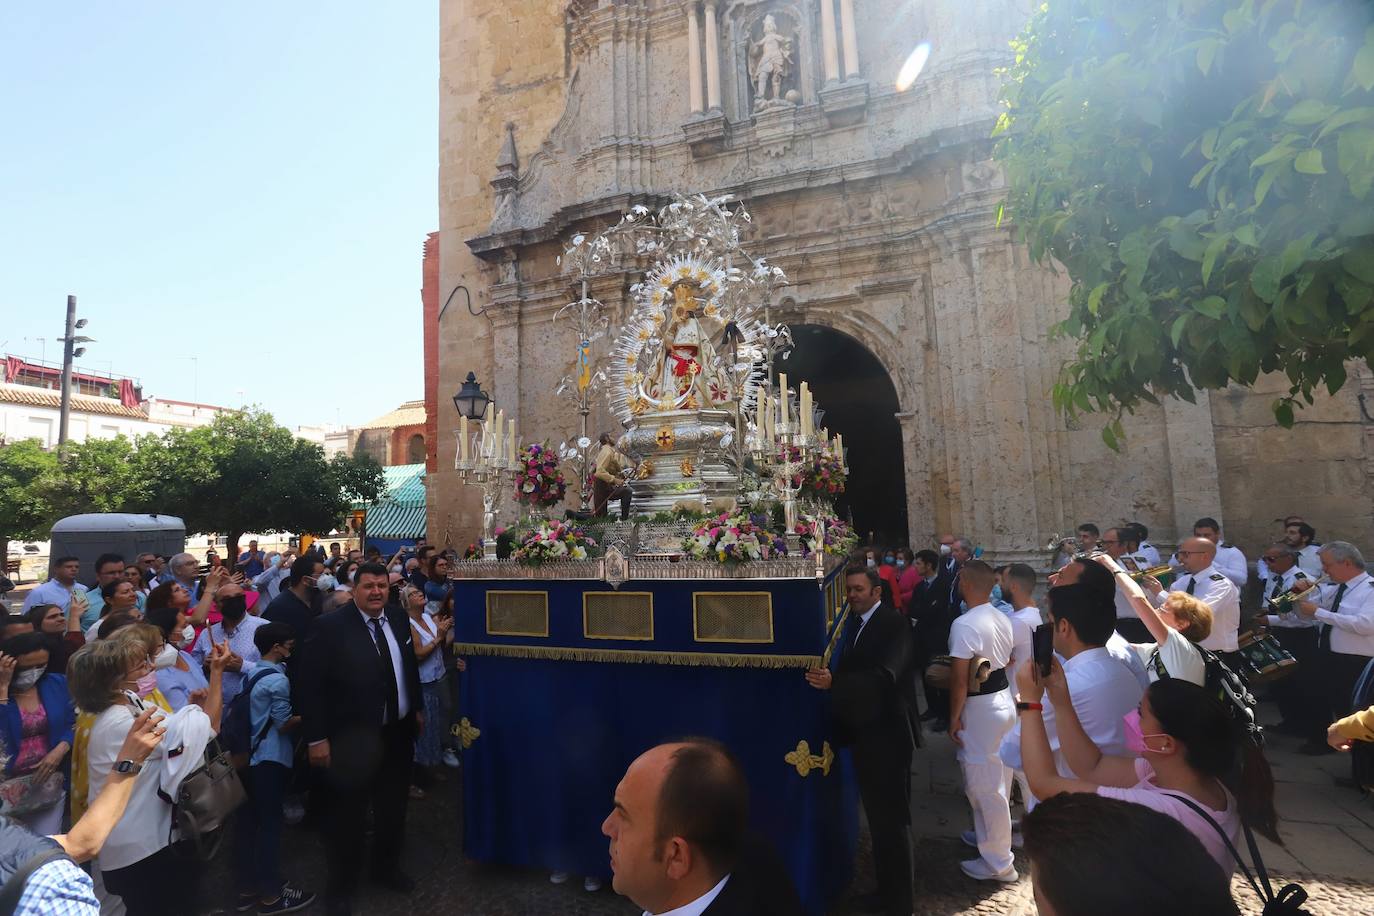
(996, 681)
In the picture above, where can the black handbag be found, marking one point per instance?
(1290, 898)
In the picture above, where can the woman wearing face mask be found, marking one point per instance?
(137, 861)
(61, 632)
(179, 678)
(908, 577)
(1187, 745)
(37, 718)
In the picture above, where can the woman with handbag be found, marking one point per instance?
(36, 720)
(137, 862)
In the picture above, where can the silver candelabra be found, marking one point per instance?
(487, 460)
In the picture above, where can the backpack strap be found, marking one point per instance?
(267, 725)
(13, 889)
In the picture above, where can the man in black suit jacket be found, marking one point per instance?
(679, 838)
(361, 712)
(871, 696)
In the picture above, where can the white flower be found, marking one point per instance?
(579, 553)
(583, 442)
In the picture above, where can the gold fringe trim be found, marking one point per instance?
(835, 637)
(634, 656)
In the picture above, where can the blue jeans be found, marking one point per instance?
(257, 838)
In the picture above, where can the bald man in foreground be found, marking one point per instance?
(679, 838)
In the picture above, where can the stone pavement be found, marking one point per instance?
(1329, 831)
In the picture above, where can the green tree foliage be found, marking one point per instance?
(241, 473)
(27, 473)
(1202, 169)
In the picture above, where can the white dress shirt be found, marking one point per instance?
(1103, 691)
(402, 695)
(863, 622)
(1150, 552)
(1353, 624)
(1231, 563)
(1121, 650)
(1222, 596)
(699, 905)
(1023, 624)
(1310, 561)
(1277, 584)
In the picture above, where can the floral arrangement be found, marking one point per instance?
(539, 482)
(736, 538)
(553, 541)
(838, 536)
(473, 551)
(823, 477)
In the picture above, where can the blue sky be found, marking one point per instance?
(247, 183)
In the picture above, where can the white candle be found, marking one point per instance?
(486, 447)
(839, 449)
(805, 409)
(463, 438)
(500, 442)
(514, 453)
(784, 414)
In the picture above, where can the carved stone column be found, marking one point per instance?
(712, 59)
(851, 40)
(829, 52)
(694, 57)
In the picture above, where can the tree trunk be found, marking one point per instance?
(231, 549)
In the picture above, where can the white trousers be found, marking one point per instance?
(987, 781)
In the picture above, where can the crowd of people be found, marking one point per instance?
(1121, 690)
(329, 675)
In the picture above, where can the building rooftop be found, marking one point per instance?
(83, 403)
(411, 413)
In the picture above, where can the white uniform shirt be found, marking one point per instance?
(1124, 652)
(984, 632)
(1103, 691)
(1231, 563)
(1353, 626)
(1222, 596)
(1150, 552)
(1277, 584)
(1310, 561)
(1023, 624)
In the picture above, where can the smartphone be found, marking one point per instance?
(1043, 647)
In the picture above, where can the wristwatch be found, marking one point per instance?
(127, 766)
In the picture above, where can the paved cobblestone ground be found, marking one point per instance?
(1329, 832)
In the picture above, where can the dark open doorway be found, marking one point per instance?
(855, 391)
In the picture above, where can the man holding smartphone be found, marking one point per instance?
(1103, 689)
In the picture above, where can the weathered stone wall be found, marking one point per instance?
(880, 206)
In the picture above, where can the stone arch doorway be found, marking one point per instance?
(856, 392)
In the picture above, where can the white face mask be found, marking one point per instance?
(396, 568)
(188, 634)
(25, 680)
(325, 583)
(165, 658)
(945, 550)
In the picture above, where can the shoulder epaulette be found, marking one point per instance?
(1217, 577)
(1224, 544)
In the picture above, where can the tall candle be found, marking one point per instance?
(514, 451)
(486, 446)
(500, 453)
(806, 418)
(462, 437)
(839, 449)
(785, 414)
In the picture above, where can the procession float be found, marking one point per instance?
(589, 639)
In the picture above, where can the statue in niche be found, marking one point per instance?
(770, 64)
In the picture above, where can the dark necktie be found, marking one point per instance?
(847, 638)
(1324, 642)
(1278, 587)
(393, 704)
(1192, 583)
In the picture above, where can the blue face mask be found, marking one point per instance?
(889, 559)
(996, 593)
(901, 564)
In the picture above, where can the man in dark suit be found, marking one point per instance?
(362, 710)
(679, 837)
(871, 701)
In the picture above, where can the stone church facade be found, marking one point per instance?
(555, 117)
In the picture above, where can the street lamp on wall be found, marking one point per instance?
(471, 400)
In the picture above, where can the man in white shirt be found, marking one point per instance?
(1103, 690)
(979, 720)
(1229, 560)
(1119, 544)
(1018, 585)
(1299, 696)
(60, 587)
(1203, 580)
(1345, 641)
(677, 833)
(1141, 535)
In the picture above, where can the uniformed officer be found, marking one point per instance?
(1230, 561)
(1299, 695)
(1202, 579)
(1121, 545)
(1345, 641)
(1149, 551)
